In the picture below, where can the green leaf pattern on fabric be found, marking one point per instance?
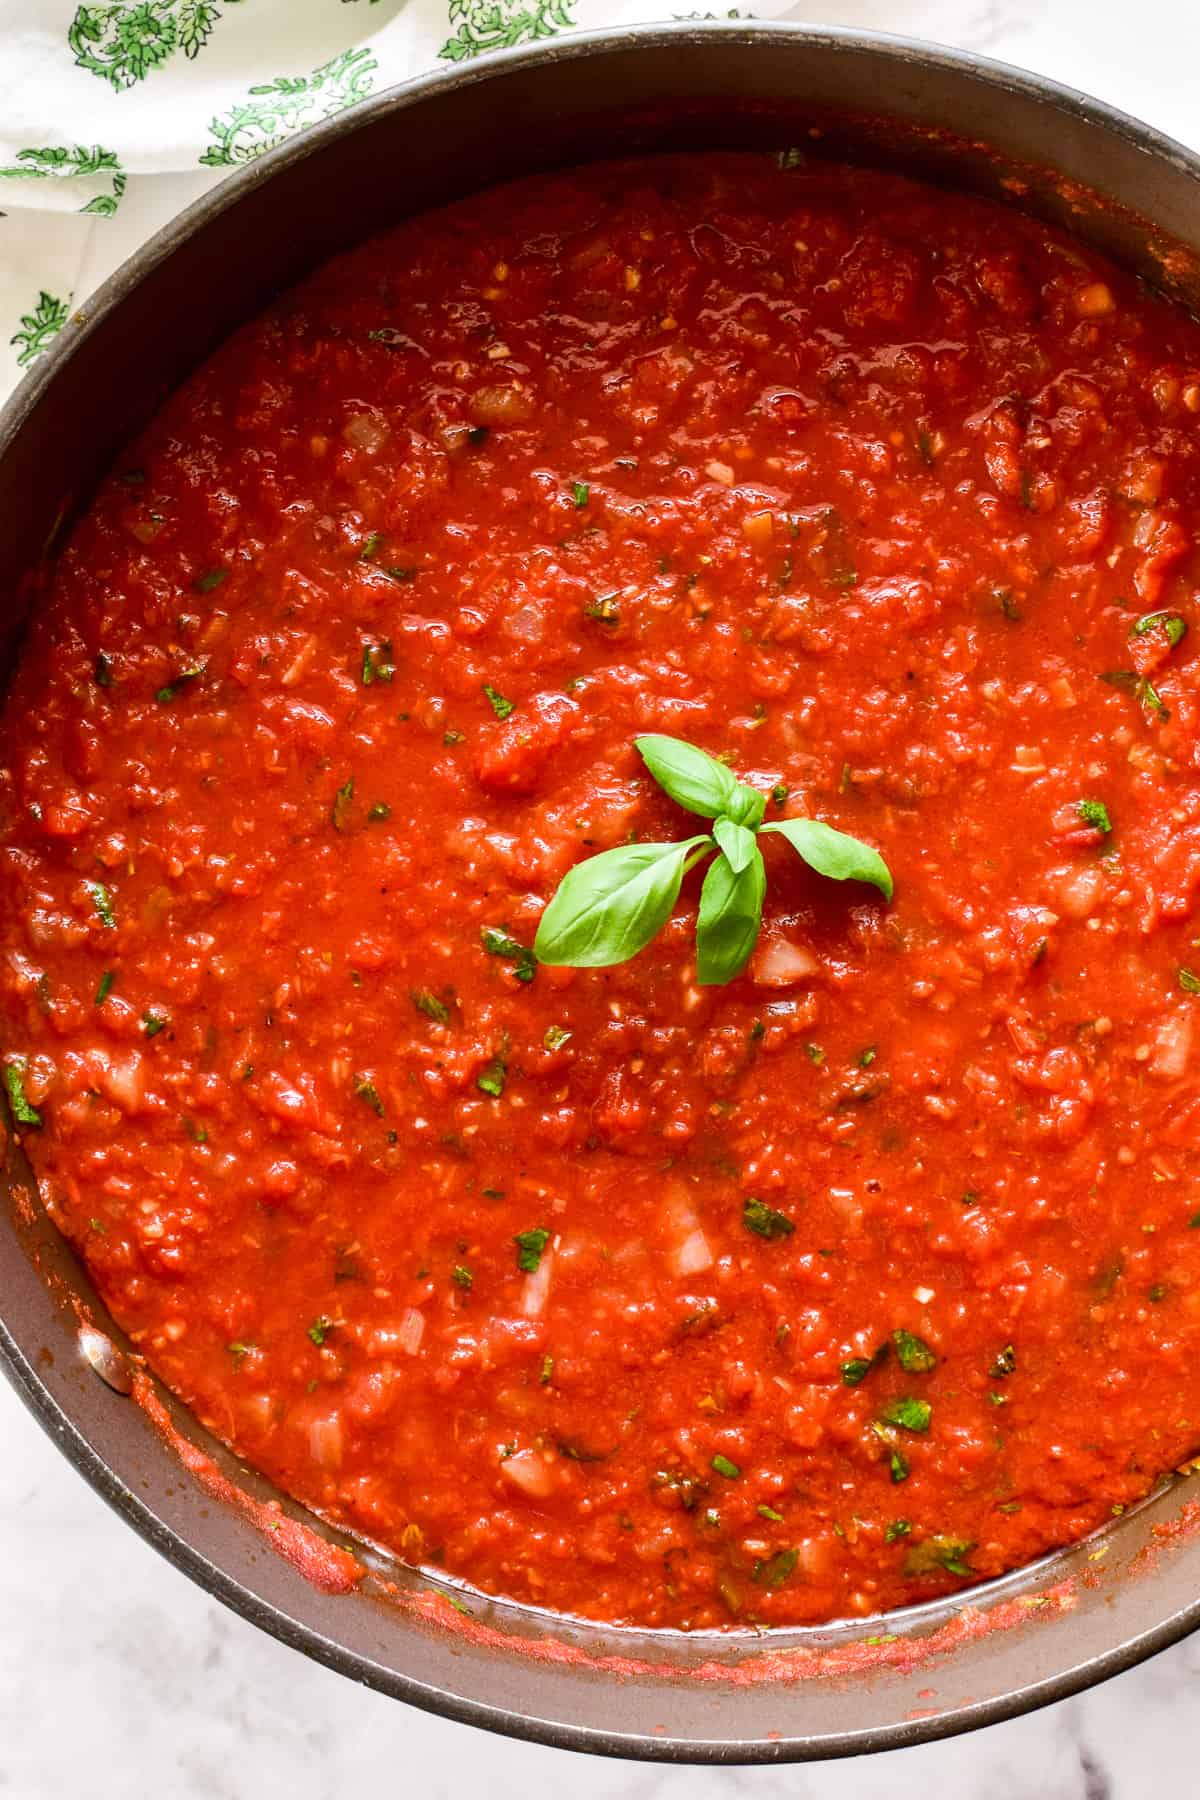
(57, 160)
(38, 327)
(276, 109)
(122, 44)
(499, 24)
(72, 143)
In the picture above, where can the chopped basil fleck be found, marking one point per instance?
(105, 986)
(493, 1077)
(428, 1003)
(152, 1023)
(764, 1221)
(530, 1245)
(500, 706)
(935, 1553)
(898, 1528)
(1128, 681)
(1095, 814)
(319, 1330)
(102, 901)
(368, 1093)
(462, 1277)
(377, 663)
(774, 1570)
(204, 584)
(898, 1466)
(165, 695)
(342, 800)
(378, 809)
(768, 1512)
(498, 942)
(582, 493)
(14, 1082)
(1189, 981)
(556, 1036)
(914, 1353)
(1172, 623)
(724, 1467)
(907, 1413)
(1004, 1364)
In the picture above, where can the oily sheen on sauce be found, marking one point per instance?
(869, 1274)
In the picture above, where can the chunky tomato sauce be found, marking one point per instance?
(869, 1275)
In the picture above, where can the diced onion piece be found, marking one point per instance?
(411, 1330)
(782, 964)
(366, 432)
(1078, 891)
(507, 405)
(529, 1472)
(325, 1441)
(1172, 1046)
(690, 1252)
(526, 624)
(536, 1290)
(814, 1556)
(122, 1078)
(257, 1411)
(847, 1203)
(758, 529)
(693, 1254)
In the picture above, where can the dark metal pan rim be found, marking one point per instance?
(629, 1746)
(282, 1622)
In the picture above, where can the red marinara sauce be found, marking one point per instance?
(863, 486)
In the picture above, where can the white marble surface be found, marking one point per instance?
(121, 1679)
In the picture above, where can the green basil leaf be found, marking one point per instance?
(835, 853)
(609, 907)
(691, 777)
(747, 806)
(737, 842)
(730, 913)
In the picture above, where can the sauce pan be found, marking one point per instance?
(979, 1656)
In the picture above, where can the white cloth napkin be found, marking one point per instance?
(113, 116)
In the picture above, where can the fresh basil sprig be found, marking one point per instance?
(608, 908)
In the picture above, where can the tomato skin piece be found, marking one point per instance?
(826, 1289)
